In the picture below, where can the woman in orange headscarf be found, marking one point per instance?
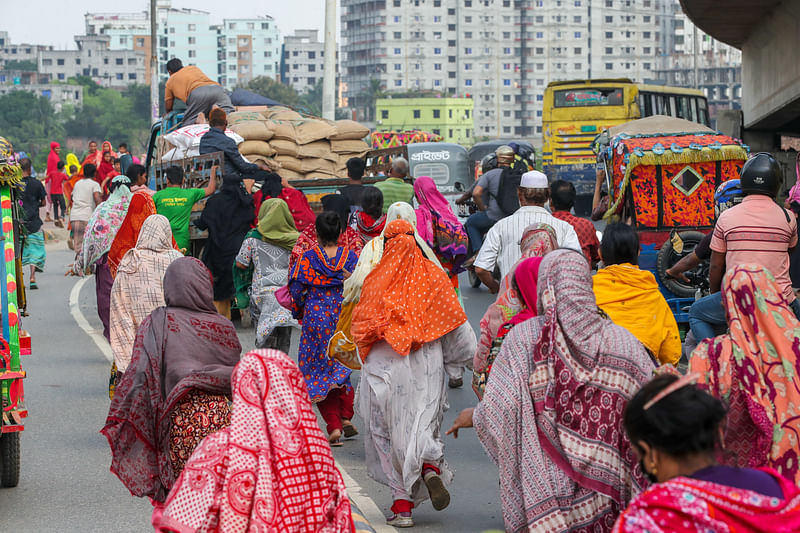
(141, 207)
(408, 325)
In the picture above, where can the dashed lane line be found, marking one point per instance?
(94, 334)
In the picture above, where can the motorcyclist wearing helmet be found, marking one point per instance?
(758, 231)
(489, 211)
(728, 194)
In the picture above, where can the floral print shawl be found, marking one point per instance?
(102, 228)
(754, 368)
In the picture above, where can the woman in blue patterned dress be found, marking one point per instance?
(316, 285)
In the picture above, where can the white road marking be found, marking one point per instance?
(75, 309)
(362, 500)
(358, 495)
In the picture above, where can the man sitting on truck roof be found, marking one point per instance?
(175, 203)
(200, 93)
(215, 140)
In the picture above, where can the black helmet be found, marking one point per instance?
(761, 174)
(489, 162)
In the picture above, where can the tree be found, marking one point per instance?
(29, 122)
(271, 88)
(311, 100)
(373, 91)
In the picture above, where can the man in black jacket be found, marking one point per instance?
(215, 140)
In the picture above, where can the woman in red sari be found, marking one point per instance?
(674, 427)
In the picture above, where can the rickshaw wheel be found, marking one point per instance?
(9, 459)
(667, 257)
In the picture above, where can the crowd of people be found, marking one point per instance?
(581, 398)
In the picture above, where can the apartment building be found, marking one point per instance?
(232, 53)
(248, 48)
(502, 53)
(303, 60)
(693, 59)
(94, 58)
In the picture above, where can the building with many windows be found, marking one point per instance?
(452, 118)
(232, 53)
(249, 48)
(502, 53)
(94, 58)
(303, 60)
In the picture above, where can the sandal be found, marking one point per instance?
(350, 430)
(33, 285)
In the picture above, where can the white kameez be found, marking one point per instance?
(402, 401)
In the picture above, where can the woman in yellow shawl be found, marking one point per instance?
(630, 296)
(267, 249)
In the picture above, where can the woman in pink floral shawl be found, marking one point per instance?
(537, 240)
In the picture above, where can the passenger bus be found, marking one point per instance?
(575, 112)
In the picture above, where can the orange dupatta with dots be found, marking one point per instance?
(406, 300)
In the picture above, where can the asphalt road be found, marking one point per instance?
(65, 480)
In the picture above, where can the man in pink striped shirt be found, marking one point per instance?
(757, 231)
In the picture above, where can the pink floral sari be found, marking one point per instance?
(754, 368)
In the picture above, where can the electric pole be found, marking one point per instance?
(153, 62)
(329, 66)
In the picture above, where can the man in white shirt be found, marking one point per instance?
(501, 246)
(85, 197)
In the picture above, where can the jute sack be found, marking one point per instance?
(347, 146)
(318, 165)
(253, 130)
(282, 130)
(256, 148)
(281, 113)
(349, 130)
(290, 163)
(283, 147)
(313, 130)
(288, 174)
(269, 161)
(243, 116)
(317, 149)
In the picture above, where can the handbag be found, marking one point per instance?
(284, 297)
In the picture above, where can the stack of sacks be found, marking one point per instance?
(186, 141)
(302, 147)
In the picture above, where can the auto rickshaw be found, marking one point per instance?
(661, 173)
(14, 341)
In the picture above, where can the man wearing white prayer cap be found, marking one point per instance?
(501, 246)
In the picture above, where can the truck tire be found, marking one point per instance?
(667, 257)
(9, 457)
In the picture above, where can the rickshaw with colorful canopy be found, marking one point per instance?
(14, 342)
(661, 174)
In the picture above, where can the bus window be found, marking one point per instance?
(693, 109)
(702, 111)
(672, 109)
(646, 104)
(683, 107)
(586, 97)
(659, 104)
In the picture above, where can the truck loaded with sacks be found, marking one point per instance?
(309, 153)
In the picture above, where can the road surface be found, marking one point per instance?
(65, 481)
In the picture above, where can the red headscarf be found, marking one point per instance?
(141, 207)
(53, 158)
(271, 470)
(106, 169)
(406, 300)
(526, 277)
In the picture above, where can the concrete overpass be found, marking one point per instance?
(768, 33)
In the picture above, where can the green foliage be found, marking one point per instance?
(372, 92)
(311, 100)
(108, 114)
(271, 88)
(29, 122)
(25, 65)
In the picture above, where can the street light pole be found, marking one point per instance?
(153, 62)
(329, 66)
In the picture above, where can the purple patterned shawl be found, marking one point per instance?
(551, 417)
(186, 345)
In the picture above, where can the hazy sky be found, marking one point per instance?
(56, 21)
